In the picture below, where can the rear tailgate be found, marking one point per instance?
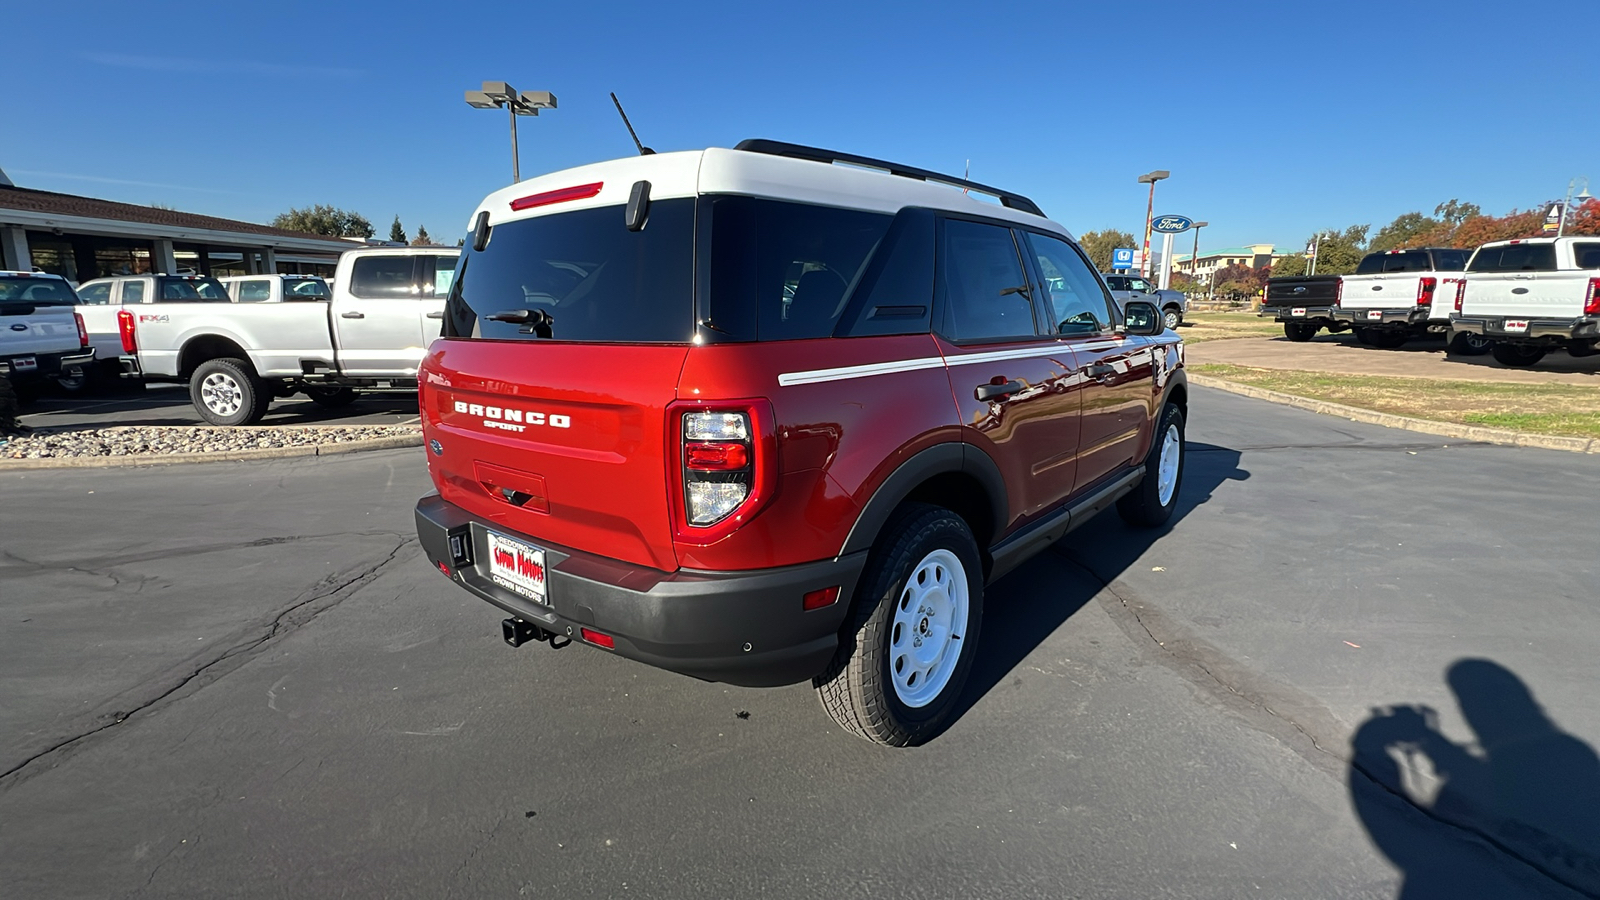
(26, 329)
(1316, 290)
(1527, 295)
(1393, 291)
(562, 442)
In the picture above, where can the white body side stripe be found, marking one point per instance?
(815, 376)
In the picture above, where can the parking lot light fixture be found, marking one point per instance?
(1150, 178)
(496, 94)
(1566, 205)
(1194, 258)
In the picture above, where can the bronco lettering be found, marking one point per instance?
(496, 416)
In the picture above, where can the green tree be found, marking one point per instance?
(423, 238)
(1454, 212)
(327, 220)
(1407, 230)
(396, 231)
(1099, 244)
(1338, 252)
(1289, 266)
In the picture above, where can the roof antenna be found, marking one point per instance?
(643, 150)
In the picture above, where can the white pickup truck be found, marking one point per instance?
(1397, 295)
(276, 288)
(387, 307)
(1531, 296)
(40, 334)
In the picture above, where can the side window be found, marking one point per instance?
(1140, 285)
(895, 293)
(96, 294)
(384, 278)
(441, 273)
(1586, 255)
(133, 291)
(1078, 304)
(1117, 282)
(255, 290)
(980, 277)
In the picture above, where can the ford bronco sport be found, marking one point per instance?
(754, 417)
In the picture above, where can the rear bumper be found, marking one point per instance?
(46, 365)
(744, 628)
(1539, 331)
(1375, 318)
(1300, 313)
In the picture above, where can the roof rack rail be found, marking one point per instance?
(816, 154)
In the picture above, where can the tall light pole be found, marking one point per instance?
(1150, 178)
(496, 94)
(1194, 258)
(1567, 203)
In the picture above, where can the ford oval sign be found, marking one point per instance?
(1171, 224)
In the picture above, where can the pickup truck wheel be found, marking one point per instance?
(1172, 317)
(1517, 355)
(905, 652)
(226, 392)
(1465, 343)
(1299, 332)
(1386, 339)
(1364, 336)
(1152, 502)
(331, 397)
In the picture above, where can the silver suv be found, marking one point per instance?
(1132, 287)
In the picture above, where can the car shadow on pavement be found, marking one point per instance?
(1523, 786)
(1026, 606)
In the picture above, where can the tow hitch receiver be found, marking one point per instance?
(518, 632)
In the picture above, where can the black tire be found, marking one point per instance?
(1387, 339)
(1143, 505)
(1171, 318)
(1518, 356)
(1465, 343)
(1364, 336)
(331, 397)
(227, 392)
(858, 688)
(1299, 332)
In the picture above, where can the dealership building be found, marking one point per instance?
(86, 237)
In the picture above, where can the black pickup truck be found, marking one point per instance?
(1305, 305)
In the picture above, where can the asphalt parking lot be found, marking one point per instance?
(168, 404)
(241, 679)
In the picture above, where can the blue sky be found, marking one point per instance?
(1275, 119)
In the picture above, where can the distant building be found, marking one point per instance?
(1256, 256)
(81, 238)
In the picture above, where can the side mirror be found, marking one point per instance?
(1142, 318)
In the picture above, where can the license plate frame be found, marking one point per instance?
(1515, 326)
(24, 364)
(519, 567)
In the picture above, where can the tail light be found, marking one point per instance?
(1425, 289)
(125, 329)
(1461, 292)
(1338, 292)
(727, 468)
(1591, 298)
(83, 331)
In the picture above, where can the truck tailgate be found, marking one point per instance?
(1529, 295)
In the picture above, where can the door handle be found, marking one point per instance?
(993, 391)
(352, 315)
(1101, 370)
(436, 314)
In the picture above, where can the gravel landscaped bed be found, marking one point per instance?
(162, 440)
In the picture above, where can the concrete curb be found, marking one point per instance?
(1390, 420)
(112, 462)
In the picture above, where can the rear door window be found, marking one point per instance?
(597, 280)
(189, 290)
(1076, 303)
(305, 289)
(1514, 258)
(384, 278)
(985, 293)
(255, 290)
(1586, 255)
(439, 273)
(96, 294)
(133, 291)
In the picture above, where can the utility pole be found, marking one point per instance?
(1150, 178)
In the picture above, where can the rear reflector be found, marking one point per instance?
(598, 639)
(444, 568)
(560, 195)
(716, 457)
(820, 599)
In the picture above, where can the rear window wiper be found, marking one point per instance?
(533, 321)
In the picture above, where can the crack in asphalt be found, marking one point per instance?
(22, 566)
(488, 838)
(1193, 653)
(283, 623)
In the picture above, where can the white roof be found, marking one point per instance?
(720, 171)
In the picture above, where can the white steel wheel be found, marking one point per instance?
(221, 393)
(930, 621)
(1167, 470)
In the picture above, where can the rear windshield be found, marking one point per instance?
(1377, 263)
(37, 291)
(1450, 260)
(1514, 258)
(598, 281)
(305, 288)
(1586, 255)
(181, 290)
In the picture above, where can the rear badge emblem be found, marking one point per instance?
(436, 447)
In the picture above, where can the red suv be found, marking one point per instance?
(756, 417)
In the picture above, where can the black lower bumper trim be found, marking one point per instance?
(1535, 331)
(745, 628)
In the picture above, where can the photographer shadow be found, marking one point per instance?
(1525, 787)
